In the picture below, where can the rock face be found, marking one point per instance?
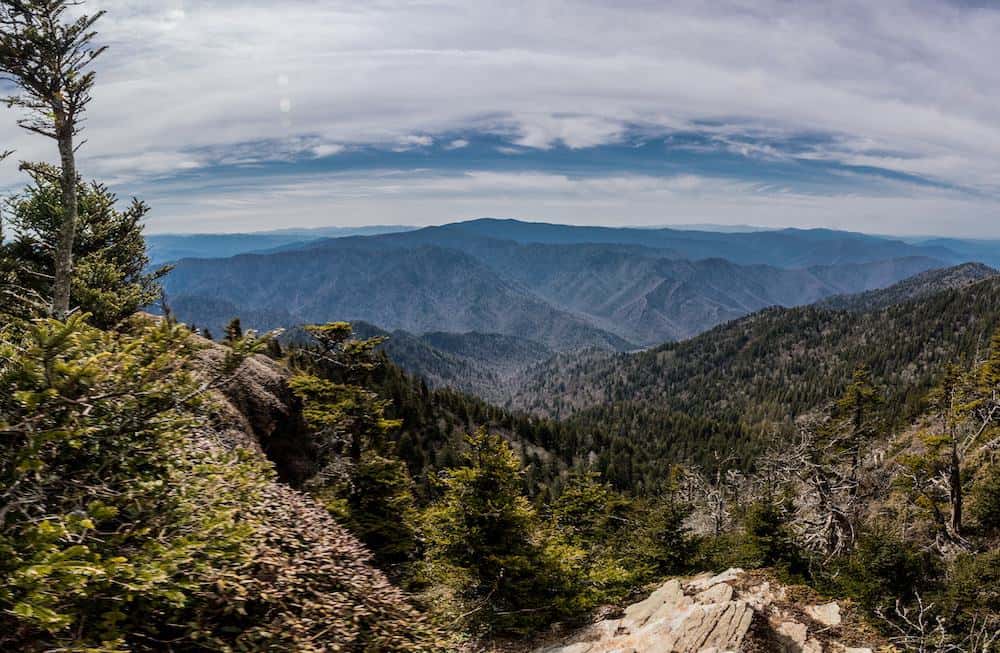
(732, 612)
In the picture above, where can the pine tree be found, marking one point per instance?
(357, 474)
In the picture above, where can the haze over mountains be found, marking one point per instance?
(163, 248)
(559, 286)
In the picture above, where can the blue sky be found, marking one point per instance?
(237, 116)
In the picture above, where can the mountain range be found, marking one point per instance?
(164, 248)
(731, 372)
(560, 286)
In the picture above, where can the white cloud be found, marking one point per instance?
(457, 144)
(327, 149)
(411, 141)
(902, 84)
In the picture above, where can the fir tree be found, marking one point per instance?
(111, 277)
(46, 53)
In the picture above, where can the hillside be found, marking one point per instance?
(482, 364)
(418, 290)
(916, 287)
(563, 296)
(770, 367)
(163, 248)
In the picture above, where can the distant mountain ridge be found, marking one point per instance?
(163, 248)
(564, 292)
(419, 290)
(807, 351)
(790, 248)
(916, 287)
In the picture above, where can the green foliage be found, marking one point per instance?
(234, 330)
(883, 568)
(857, 407)
(985, 500)
(112, 530)
(484, 544)
(358, 478)
(110, 277)
(665, 545)
(973, 587)
(381, 508)
(601, 525)
(585, 508)
(768, 539)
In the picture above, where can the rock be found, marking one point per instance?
(723, 613)
(827, 614)
(797, 635)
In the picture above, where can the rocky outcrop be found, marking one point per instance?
(306, 584)
(258, 410)
(735, 611)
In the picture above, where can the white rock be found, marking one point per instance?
(724, 577)
(827, 614)
(704, 615)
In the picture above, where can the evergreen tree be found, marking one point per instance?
(113, 530)
(665, 544)
(234, 330)
(357, 475)
(483, 540)
(110, 279)
(46, 53)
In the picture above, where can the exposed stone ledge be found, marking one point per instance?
(732, 612)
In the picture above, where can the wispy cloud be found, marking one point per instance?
(905, 87)
(428, 197)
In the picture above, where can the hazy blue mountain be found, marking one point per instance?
(782, 248)
(647, 299)
(984, 251)
(420, 289)
(563, 296)
(172, 247)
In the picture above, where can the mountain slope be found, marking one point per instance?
(482, 364)
(419, 290)
(916, 287)
(776, 364)
(563, 296)
(648, 299)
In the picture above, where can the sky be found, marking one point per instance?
(233, 116)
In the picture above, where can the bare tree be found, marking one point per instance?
(920, 629)
(47, 54)
(714, 490)
(826, 467)
(969, 433)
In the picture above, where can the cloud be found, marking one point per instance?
(902, 85)
(422, 197)
(457, 144)
(327, 149)
(411, 141)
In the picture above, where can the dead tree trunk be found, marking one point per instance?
(63, 282)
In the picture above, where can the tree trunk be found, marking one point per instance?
(956, 497)
(67, 230)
